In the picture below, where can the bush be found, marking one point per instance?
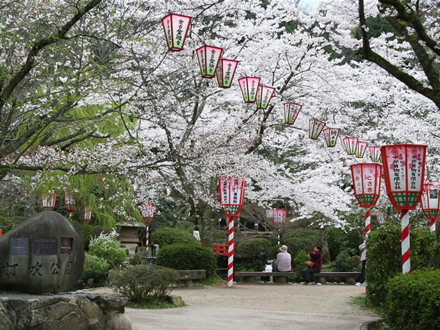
(340, 240)
(306, 242)
(252, 254)
(344, 262)
(413, 301)
(94, 267)
(167, 236)
(107, 247)
(144, 283)
(385, 257)
(188, 257)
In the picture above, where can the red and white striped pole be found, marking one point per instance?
(279, 238)
(231, 251)
(432, 226)
(147, 238)
(368, 222)
(406, 249)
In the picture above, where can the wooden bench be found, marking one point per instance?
(187, 276)
(350, 277)
(251, 277)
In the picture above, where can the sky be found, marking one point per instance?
(310, 3)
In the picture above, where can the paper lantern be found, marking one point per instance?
(291, 112)
(264, 94)
(87, 215)
(231, 195)
(375, 154)
(404, 168)
(315, 128)
(225, 72)
(209, 57)
(279, 217)
(69, 201)
(430, 200)
(350, 145)
(48, 200)
(176, 29)
(331, 136)
(366, 181)
(249, 88)
(148, 212)
(360, 149)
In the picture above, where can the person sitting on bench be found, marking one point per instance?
(284, 260)
(316, 258)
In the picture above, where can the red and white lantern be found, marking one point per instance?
(331, 136)
(48, 200)
(375, 154)
(315, 128)
(360, 149)
(350, 145)
(431, 202)
(291, 112)
(249, 88)
(366, 180)
(148, 211)
(225, 72)
(264, 95)
(279, 219)
(69, 201)
(208, 56)
(404, 169)
(231, 200)
(87, 215)
(176, 29)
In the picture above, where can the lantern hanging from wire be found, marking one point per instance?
(231, 200)
(404, 169)
(315, 128)
(176, 29)
(264, 95)
(291, 112)
(69, 201)
(360, 149)
(249, 88)
(208, 56)
(375, 154)
(225, 72)
(431, 202)
(48, 200)
(87, 215)
(350, 145)
(331, 136)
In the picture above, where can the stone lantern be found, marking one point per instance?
(128, 231)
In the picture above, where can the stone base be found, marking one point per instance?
(63, 311)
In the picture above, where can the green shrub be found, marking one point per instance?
(413, 301)
(253, 254)
(306, 243)
(94, 267)
(188, 257)
(339, 240)
(345, 262)
(144, 283)
(167, 236)
(107, 247)
(384, 256)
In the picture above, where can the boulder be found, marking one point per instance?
(44, 254)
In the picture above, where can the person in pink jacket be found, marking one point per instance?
(284, 260)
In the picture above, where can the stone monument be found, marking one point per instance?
(44, 254)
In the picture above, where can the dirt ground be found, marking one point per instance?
(325, 299)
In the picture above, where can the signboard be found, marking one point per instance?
(44, 245)
(19, 246)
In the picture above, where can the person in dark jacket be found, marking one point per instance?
(316, 258)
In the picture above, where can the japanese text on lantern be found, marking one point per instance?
(212, 61)
(235, 192)
(228, 73)
(253, 89)
(170, 42)
(396, 178)
(225, 192)
(179, 36)
(369, 183)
